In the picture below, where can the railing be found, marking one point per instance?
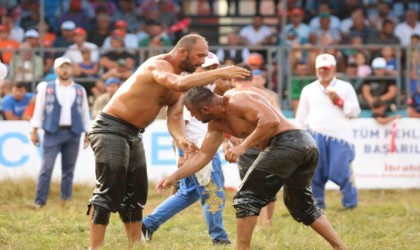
(277, 64)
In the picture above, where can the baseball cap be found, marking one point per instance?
(68, 25)
(211, 59)
(254, 59)
(80, 31)
(120, 24)
(297, 12)
(112, 80)
(32, 33)
(324, 15)
(60, 61)
(379, 63)
(325, 60)
(117, 34)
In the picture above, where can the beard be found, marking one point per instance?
(186, 66)
(64, 76)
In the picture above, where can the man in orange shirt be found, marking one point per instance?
(6, 43)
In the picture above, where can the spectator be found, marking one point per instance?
(405, 29)
(257, 33)
(111, 84)
(384, 37)
(16, 32)
(86, 68)
(299, 81)
(388, 53)
(77, 14)
(233, 55)
(361, 59)
(15, 103)
(413, 109)
(379, 112)
(101, 30)
(62, 111)
(414, 67)
(325, 34)
(360, 25)
(26, 66)
(385, 89)
(32, 37)
(49, 36)
(6, 43)
(127, 12)
(357, 18)
(65, 5)
(109, 60)
(74, 53)
(163, 16)
(323, 10)
(32, 18)
(156, 38)
(148, 6)
(130, 40)
(296, 24)
(350, 75)
(400, 7)
(384, 13)
(66, 38)
(108, 5)
(325, 108)
(123, 71)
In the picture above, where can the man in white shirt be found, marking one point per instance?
(62, 111)
(325, 107)
(411, 26)
(256, 34)
(74, 51)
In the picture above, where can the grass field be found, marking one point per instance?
(384, 220)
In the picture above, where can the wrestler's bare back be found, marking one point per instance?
(139, 100)
(235, 123)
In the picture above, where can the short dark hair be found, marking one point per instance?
(19, 85)
(247, 67)
(198, 96)
(377, 103)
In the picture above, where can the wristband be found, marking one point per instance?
(227, 136)
(339, 102)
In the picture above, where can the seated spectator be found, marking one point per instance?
(31, 17)
(383, 13)
(108, 5)
(363, 69)
(233, 55)
(388, 53)
(66, 38)
(127, 12)
(101, 29)
(414, 66)
(405, 29)
(356, 23)
(86, 68)
(384, 89)
(257, 33)
(65, 6)
(5, 42)
(16, 32)
(74, 53)
(350, 75)
(324, 8)
(26, 66)
(109, 60)
(15, 103)
(123, 71)
(413, 109)
(299, 80)
(130, 40)
(156, 38)
(325, 34)
(148, 6)
(384, 37)
(49, 35)
(111, 84)
(379, 112)
(296, 23)
(77, 14)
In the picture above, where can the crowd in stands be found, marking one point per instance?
(102, 38)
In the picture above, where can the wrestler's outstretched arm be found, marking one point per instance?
(196, 162)
(162, 72)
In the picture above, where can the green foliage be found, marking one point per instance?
(385, 219)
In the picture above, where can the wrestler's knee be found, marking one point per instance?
(301, 206)
(100, 215)
(130, 214)
(247, 204)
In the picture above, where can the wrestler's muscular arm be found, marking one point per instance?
(253, 110)
(200, 159)
(163, 73)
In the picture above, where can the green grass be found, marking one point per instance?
(384, 220)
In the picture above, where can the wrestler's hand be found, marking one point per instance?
(165, 184)
(234, 72)
(187, 146)
(233, 153)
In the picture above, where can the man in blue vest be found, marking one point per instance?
(62, 111)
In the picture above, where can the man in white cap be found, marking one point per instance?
(325, 107)
(66, 38)
(206, 185)
(62, 111)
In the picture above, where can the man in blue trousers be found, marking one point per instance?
(62, 111)
(325, 109)
(206, 185)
